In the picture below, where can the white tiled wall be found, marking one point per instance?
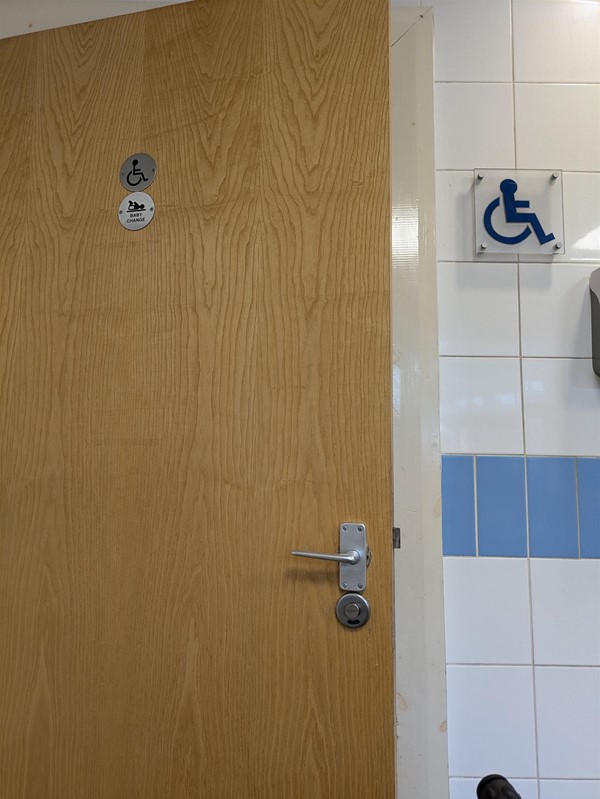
(518, 86)
(548, 117)
(507, 654)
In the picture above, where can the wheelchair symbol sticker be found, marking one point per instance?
(138, 172)
(512, 215)
(519, 211)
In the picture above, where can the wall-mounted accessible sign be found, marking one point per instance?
(519, 211)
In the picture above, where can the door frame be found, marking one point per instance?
(422, 751)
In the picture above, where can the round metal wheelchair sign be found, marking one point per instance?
(138, 172)
(136, 211)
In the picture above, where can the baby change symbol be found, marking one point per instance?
(514, 214)
(138, 172)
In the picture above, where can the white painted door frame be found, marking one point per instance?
(422, 754)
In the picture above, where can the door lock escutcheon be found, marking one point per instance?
(354, 556)
(353, 611)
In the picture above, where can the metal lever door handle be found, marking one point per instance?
(353, 556)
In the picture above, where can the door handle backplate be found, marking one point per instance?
(353, 556)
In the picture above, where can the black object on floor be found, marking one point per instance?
(496, 787)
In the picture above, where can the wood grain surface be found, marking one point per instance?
(182, 406)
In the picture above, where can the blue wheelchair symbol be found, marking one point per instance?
(513, 216)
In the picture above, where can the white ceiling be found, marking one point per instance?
(27, 16)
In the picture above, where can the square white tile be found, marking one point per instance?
(460, 28)
(556, 42)
(466, 789)
(485, 623)
(568, 722)
(581, 197)
(478, 311)
(565, 598)
(558, 126)
(474, 126)
(562, 407)
(480, 405)
(455, 219)
(566, 789)
(491, 721)
(555, 310)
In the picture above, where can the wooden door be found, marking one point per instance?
(183, 405)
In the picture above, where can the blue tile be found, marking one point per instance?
(501, 515)
(458, 505)
(551, 490)
(588, 474)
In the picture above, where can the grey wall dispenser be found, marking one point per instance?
(595, 297)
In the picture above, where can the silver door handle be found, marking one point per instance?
(353, 556)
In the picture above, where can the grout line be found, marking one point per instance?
(524, 357)
(554, 558)
(476, 82)
(521, 82)
(491, 665)
(523, 426)
(592, 666)
(519, 455)
(533, 676)
(512, 68)
(465, 170)
(489, 259)
(475, 777)
(470, 664)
